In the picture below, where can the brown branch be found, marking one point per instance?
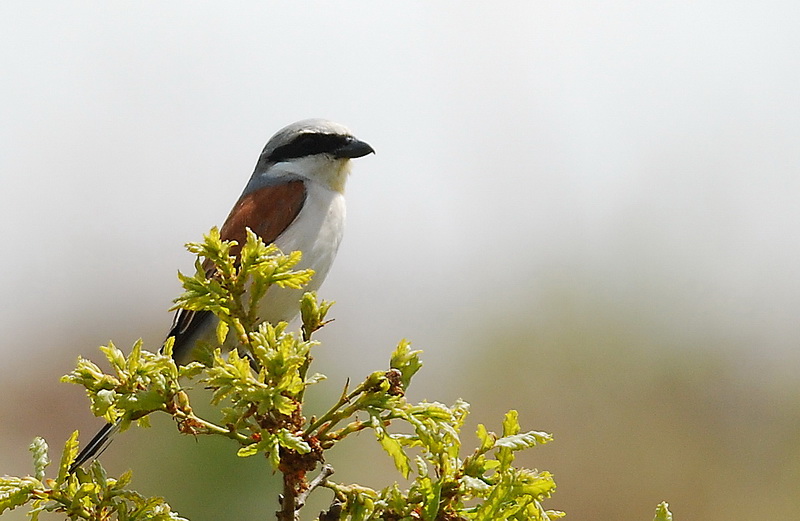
(291, 500)
(288, 512)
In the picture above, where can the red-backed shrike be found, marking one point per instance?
(294, 199)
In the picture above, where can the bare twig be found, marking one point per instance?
(323, 475)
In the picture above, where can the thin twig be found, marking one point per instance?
(211, 427)
(324, 474)
(333, 415)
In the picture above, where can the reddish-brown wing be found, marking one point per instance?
(267, 212)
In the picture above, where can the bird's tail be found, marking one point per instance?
(96, 446)
(184, 328)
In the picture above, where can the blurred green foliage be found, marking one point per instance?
(695, 415)
(262, 385)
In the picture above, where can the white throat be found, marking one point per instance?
(324, 169)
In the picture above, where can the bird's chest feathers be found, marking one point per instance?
(317, 230)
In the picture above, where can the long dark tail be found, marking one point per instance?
(96, 447)
(185, 325)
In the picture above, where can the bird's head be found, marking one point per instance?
(316, 149)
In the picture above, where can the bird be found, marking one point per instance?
(295, 200)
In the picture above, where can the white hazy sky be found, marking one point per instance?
(645, 151)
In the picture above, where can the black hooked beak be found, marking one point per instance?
(353, 148)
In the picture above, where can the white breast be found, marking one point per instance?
(317, 232)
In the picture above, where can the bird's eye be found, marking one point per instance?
(308, 145)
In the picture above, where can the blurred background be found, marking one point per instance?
(586, 211)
